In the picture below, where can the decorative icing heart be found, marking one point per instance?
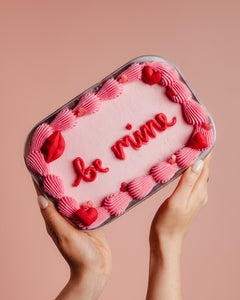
(149, 76)
(198, 141)
(80, 112)
(53, 147)
(87, 205)
(123, 79)
(124, 186)
(207, 126)
(172, 160)
(87, 216)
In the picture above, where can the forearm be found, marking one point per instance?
(164, 271)
(82, 287)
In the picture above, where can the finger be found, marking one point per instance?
(204, 177)
(187, 182)
(207, 165)
(52, 217)
(200, 188)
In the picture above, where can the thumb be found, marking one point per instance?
(53, 219)
(187, 181)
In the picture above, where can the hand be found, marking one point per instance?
(87, 254)
(169, 227)
(175, 216)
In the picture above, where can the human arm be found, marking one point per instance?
(87, 254)
(169, 227)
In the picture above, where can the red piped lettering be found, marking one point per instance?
(98, 166)
(90, 173)
(142, 136)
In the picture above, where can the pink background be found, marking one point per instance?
(53, 50)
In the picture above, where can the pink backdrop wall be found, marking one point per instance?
(53, 50)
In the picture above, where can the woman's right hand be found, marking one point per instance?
(175, 216)
(169, 227)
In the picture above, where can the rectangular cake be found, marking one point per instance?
(119, 142)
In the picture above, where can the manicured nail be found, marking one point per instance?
(43, 203)
(197, 166)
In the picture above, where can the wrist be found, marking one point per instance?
(165, 249)
(165, 268)
(91, 281)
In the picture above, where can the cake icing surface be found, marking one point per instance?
(135, 131)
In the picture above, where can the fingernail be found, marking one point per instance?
(43, 203)
(197, 166)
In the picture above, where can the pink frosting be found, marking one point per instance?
(53, 185)
(134, 72)
(110, 90)
(36, 162)
(163, 171)
(67, 206)
(117, 203)
(207, 133)
(90, 102)
(140, 187)
(186, 156)
(169, 74)
(179, 92)
(90, 142)
(194, 113)
(64, 120)
(40, 135)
